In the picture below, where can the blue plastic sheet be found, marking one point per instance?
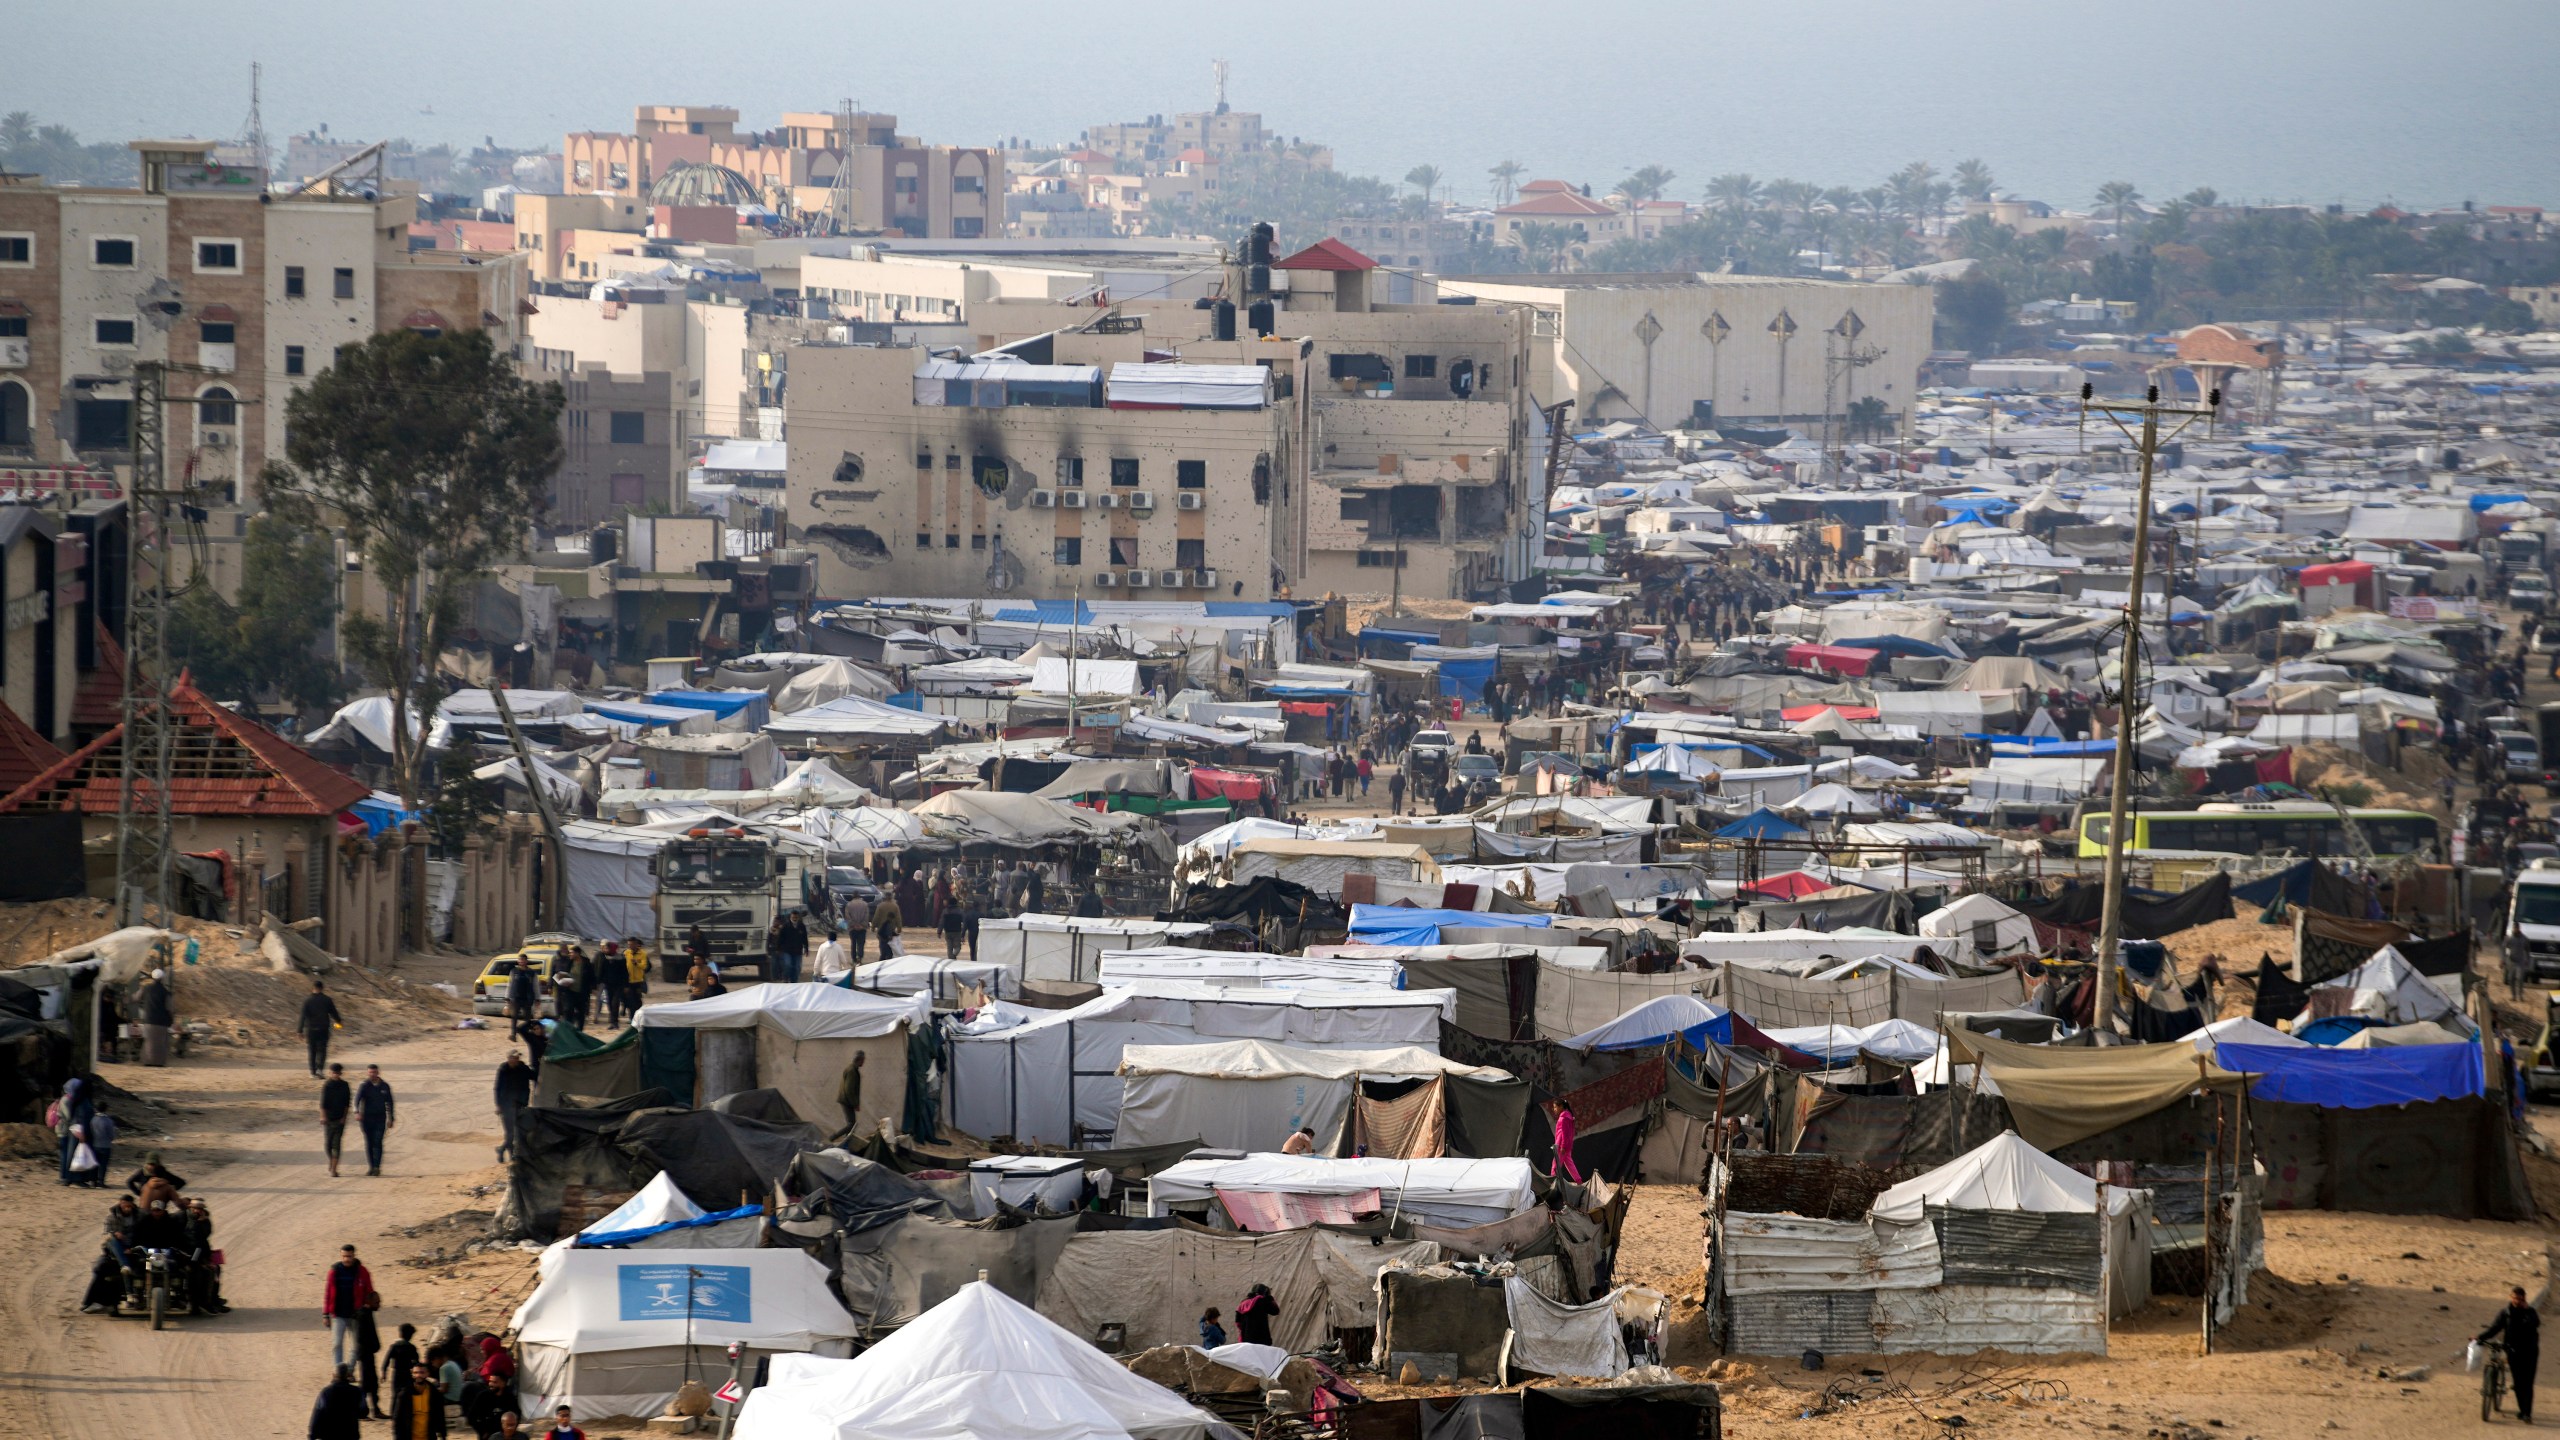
(611, 1239)
(1762, 824)
(2358, 1079)
(1396, 925)
(1466, 678)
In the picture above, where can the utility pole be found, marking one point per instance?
(165, 517)
(1555, 458)
(1842, 358)
(2147, 442)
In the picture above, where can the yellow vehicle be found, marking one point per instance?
(489, 992)
(2269, 828)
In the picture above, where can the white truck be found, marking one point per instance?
(729, 882)
(2533, 922)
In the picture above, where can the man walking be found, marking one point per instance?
(524, 999)
(319, 1018)
(583, 976)
(614, 974)
(152, 1015)
(339, 1412)
(835, 959)
(374, 1116)
(513, 1092)
(345, 1292)
(336, 1099)
(856, 915)
(2522, 1325)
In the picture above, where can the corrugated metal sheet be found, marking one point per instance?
(1960, 1319)
(1769, 1254)
(1834, 1321)
(2019, 1249)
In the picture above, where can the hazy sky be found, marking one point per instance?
(2320, 100)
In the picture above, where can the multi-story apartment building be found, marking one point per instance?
(202, 266)
(1354, 448)
(853, 170)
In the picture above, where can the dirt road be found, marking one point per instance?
(249, 1142)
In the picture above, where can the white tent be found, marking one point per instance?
(610, 1332)
(1979, 928)
(1454, 1192)
(660, 1203)
(1069, 948)
(1763, 947)
(1047, 1080)
(1250, 1094)
(1832, 798)
(1249, 968)
(2003, 1173)
(2388, 988)
(939, 979)
(2240, 1030)
(1650, 1023)
(978, 1366)
(852, 719)
(834, 680)
(797, 1039)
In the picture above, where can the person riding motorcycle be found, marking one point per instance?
(204, 1263)
(106, 1277)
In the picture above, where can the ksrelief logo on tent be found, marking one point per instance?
(675, 1292)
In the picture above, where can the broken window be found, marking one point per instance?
(1124, 549)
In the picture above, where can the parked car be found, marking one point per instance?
(489, 991)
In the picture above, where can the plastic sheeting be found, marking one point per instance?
(1455, 1192)
(2359, 1079)
(2005, 1173)
(1158, 1281)
(1250, 1095)
(1397, 925)
(1555, 1339)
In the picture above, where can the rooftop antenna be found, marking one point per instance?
(1218, 69)
(255, 135)
(840, 194)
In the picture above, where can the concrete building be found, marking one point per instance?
(1682, 349)
(1356, 443)
(199, 266)
(43, 581)
(1145, 146)
(852, 172)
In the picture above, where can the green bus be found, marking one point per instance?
(2269, 828)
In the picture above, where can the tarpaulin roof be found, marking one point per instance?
(978, 1366)
(2061, 1094)
(2357, 1079)
(2004, 1173)
(1762, 824)
(1793, 885)
(1262, 1060)
(1396, 925)
(1839, 659)
(1656, 1021)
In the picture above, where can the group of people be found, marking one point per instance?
(155, 1213)
(1254, 1314)
(372, 1106)
(451, 1379)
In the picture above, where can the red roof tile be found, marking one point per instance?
(1558, 202)
(24, 753)
(227, 765)
(1327, 254)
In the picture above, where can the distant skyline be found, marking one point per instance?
(2321, 101)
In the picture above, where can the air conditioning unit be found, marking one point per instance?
(1106, 579)
(215, 439)
(1142, 501)
(1172, 579)
(1070, 499)
(1883, 534)
(1205, 579)
(1189, 500)
(1106, 502)
(1044, 499)
(1140, 580)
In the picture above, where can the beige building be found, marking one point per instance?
(201, 267)
(1359, 448)
(854, 170)
(1675, 350)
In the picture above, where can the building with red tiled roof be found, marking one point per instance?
(1326, 254)
(97, 703)
(235, 785)
(1557, 204)
(24, 754)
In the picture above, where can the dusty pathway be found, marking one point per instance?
(248, 1141)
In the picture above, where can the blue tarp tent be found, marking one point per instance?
(612, 1239)
(1462, 673)
(2034, 745)
(1648, 747)
(1763, 824)
(1397, 925)
(755, 705)
(2358, 1079)
(1896, 645)
(2483, 502)
(380, 811)
(2292, 882)
(1656, 1021)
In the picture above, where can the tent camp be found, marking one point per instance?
(615, 1332)
(1250, 1094)
(1049, 1077)
(978, 1366)
(1321, 865)
(797, 1039)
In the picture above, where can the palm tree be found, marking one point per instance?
(2203, 197)
(17, 131)
(1841, 199)
(2119, 196)
(1425, 178)
(1876, 201)
(1791, 195)
(1505, 180)
(1646, 184)
(1545, 246)
(1973, 180)
(1733, 192)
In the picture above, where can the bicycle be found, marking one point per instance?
(2493, 1380)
